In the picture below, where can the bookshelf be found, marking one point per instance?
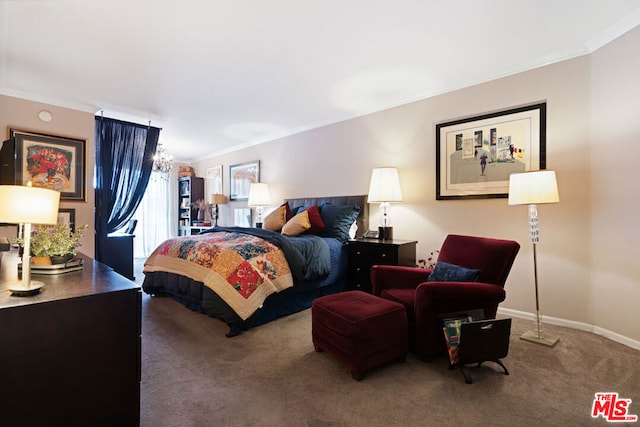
(190, 189)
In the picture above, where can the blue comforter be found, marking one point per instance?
(308, 256)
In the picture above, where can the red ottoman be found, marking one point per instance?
(360, 330)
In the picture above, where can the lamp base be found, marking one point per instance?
(18, 288)
(258, 225)
(385, 233)
(532, 336)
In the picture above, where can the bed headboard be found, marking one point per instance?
(363, 218)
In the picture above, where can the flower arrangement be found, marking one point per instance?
(204, 208)
(430, 262)
(50, 161)
(201, 204)
(57, 240)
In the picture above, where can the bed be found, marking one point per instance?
(248, 276)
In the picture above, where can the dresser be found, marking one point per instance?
(364, 253)
(70, 355)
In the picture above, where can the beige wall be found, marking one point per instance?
(22, 114)
(615, 189)
(585, 258)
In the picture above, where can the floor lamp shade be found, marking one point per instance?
(27, 205)
(384, 188)
(533, 188)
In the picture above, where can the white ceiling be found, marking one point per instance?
(221, 74)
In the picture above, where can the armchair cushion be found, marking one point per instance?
(406, 297)
(445, 272)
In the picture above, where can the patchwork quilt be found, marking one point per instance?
(241, 268)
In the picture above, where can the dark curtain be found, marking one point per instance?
(124, 159)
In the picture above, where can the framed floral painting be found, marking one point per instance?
(53, 162)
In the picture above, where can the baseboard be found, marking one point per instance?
(574, 325)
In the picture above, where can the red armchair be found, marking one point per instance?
(425, 300)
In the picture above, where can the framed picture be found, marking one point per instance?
(53, 162)
(67, 216)
(242, 217)
(214, 179)
(240, 179)
(476, 155)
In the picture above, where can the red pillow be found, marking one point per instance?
(288, 214)
(317, 224)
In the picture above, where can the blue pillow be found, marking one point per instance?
(445, 272)
(338, 220)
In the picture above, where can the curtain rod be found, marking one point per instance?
(102, 117)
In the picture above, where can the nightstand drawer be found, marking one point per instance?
(378, 254)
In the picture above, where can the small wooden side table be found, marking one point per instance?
(365, 253)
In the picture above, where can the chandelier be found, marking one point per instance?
(162, 162)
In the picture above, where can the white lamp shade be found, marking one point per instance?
(533, 188)
(384, 186)
(259, 195)
(21, 205)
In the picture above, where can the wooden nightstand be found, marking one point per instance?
(364, 253)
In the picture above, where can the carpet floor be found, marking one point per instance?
(271, 376)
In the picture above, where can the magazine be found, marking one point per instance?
(451, 331)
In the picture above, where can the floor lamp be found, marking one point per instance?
(534, 188)
(27, 205)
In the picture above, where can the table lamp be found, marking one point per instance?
(534, 188)
(259, 197)
(384, 188)
(27, 205)
(215, 200)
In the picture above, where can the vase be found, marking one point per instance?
(41, 260)
(201, 214)
(61, 259)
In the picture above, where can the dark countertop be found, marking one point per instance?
(94, 278)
